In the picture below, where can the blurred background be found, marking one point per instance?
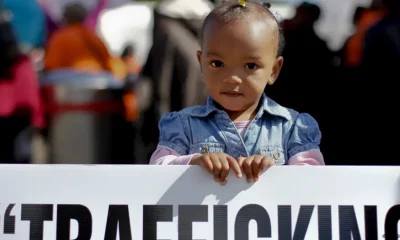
(87, 81)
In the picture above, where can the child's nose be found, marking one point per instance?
(233, 80)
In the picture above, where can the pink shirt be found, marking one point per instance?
(22, 92)
(165, 156)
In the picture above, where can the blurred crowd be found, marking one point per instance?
(34, 49)
(347, 91)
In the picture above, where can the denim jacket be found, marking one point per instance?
(276, 131)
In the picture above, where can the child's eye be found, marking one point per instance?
(251, 66)
(217, 64)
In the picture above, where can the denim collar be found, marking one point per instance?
(268, 106)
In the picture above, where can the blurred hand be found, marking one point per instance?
(218, 164)
(254, 165)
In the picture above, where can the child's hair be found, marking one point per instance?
(230, 10)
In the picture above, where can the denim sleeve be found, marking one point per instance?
(305, 135)
(172, 133)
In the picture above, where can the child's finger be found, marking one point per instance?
(224, 169)
(247, 168)
(207, 164)
(240, 160)
(235, 166)
(266, 163)
(255, 165)
(216, 167)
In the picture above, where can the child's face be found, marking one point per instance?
(238, 61)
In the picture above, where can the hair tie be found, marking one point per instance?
(242, 3)
(266, 4)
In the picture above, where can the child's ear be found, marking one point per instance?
(276, 70)
(199, 58)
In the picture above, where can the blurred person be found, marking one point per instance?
(377, 97)
(128, 56)
(28, 22)
(77, 47)
(306, 77)
(171, 67)
(130, 98)
(307, 14)
(303, 46)
(239, 127)
(91, 20)
(350, 95)
(364, 19)
(356, 19)
(348, 73)
(20, 103)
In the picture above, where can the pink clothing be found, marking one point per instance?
(92, 19)
(165, 156)
(241, 127)
(313, 157)
(22, 92)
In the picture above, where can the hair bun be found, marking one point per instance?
(267, 4)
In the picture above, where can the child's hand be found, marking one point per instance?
(254, 165)
(218, 164)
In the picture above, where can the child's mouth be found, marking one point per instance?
(232, 94)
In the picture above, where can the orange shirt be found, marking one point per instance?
(132, 65)
(80, 48)
(355, 44)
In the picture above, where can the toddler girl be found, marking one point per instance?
(239, 129)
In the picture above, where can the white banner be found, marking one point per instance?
(66, 202)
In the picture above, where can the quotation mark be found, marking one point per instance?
(9, 221)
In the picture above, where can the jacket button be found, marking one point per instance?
(204, 149)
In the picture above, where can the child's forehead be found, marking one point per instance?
(240, 35)
(229, 13)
